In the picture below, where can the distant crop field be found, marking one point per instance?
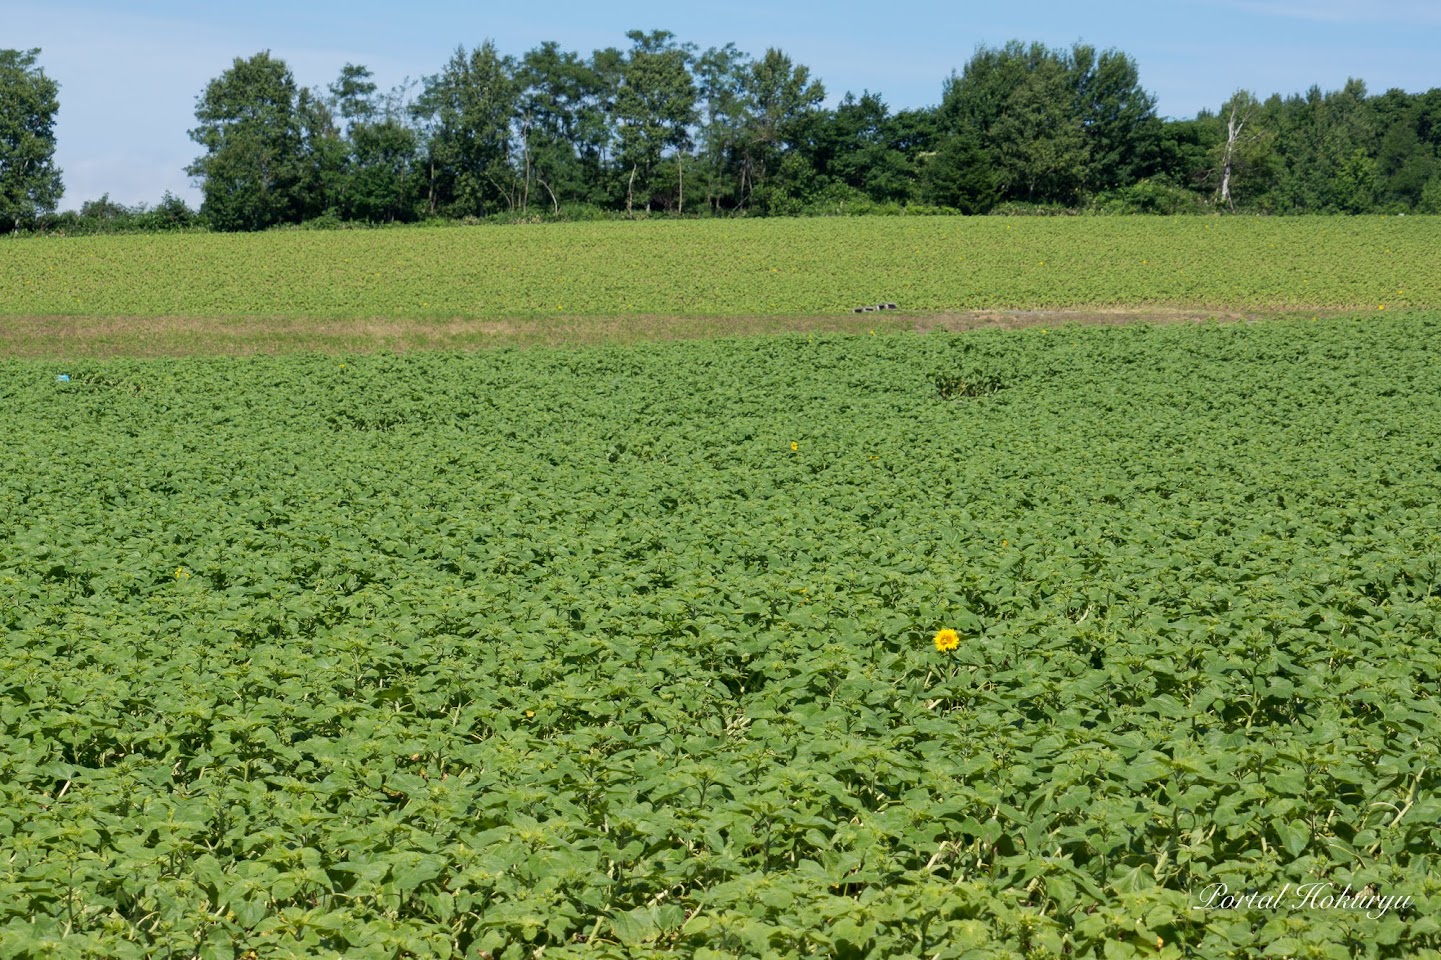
(639, 651)
(764, 268)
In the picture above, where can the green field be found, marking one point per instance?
(627, 651)
(814, 267)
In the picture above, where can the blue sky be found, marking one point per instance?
(130, 72)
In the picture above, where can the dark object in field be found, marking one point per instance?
(966, 384)
(871, 309)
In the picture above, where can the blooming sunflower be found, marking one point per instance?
(947, 640)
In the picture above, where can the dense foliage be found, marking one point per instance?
(107, 216)
(629, 652)
(770, 267)
(264, 141)
(30, 184)
(663, 126)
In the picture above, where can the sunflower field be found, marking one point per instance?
(1101, 642)
(733, 267)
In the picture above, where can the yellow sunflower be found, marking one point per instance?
(947, 640)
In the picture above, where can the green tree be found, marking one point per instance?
(1058, 123)
(654, 107)
(977, 97)
(721, 74)
(321, 160)
(270, 147)
(467, 112)
(961, 175)
(1406, 157)
(861, 145)
(1117, 116)
(1404, 165)
(562, 126)
(1038, 140)
(601, 126)
(381, 184)
(1356, 181)
(1430, 201)
(376, 182)
(352, 95)
(1321, 140)
(1184, 152)
(30, 184)
(782, 116)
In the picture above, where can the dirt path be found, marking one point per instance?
(74, 336)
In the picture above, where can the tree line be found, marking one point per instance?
(661, 126)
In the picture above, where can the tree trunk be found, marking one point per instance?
(511, 195)
(630, 191)
(525, 146)
(680, 183)
(554, 203)
(1233, 133)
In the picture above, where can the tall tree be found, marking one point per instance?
(353, 96)
(1039, 141)
(322, 158)
(380, 182)
(602, 125)
(1060, 123)
(562, 128)
(1324, 147)
(1243, 156)
(655, 107)
(467, 113)
(1406, 158)
(376, 182)
(782, 108)
(269, 147)
(30, 184)
(977, 96)
(1118, 117)
(721, 74)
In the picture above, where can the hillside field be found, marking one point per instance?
(464, 287)
(642, 649)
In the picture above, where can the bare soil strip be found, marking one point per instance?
(78, 336)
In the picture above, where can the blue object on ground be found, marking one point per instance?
(63, 378)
